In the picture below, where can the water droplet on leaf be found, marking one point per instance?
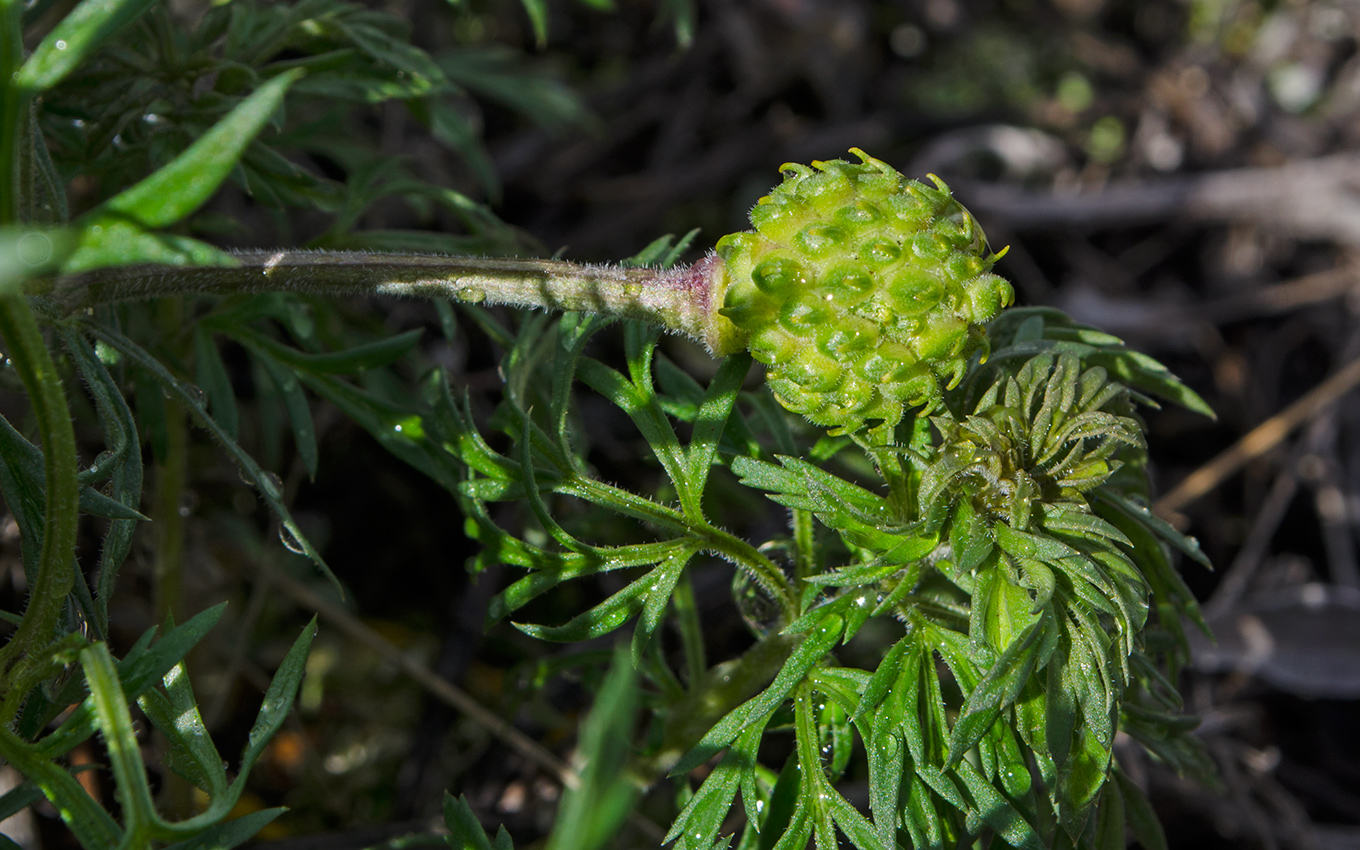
(272, 484)
(290, 541)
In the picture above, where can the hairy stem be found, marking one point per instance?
(55, 577)
(682, 300)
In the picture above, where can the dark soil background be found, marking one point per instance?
(1178, 172)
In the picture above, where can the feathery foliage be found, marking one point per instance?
(972, 478)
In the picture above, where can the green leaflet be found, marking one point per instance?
(115, 233)
(89, 25)
(698, 823)
(267, 487)
(817, 643)
(465, 832)
(590, 815)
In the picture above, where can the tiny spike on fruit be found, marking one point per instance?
(860, 290)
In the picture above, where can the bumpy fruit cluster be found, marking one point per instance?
(860, 290)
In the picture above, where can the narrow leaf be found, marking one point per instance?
(817, 644)
(229, 834)
(88, 26)
(187, 181)
(211, 375)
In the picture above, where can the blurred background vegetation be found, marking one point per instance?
(1176, 171)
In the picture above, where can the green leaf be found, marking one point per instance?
(1141, 513)
(24, 486)
(537, 10)
(590, 815)
(400, 55)
(995, 692)
(662, 252)
(1147, 829)
(817, 644)
(396, 427)
(22, 483)
(18, 798)
(88, 26)
(1058, 519)
(664, 579)
(120, 741)
(1060, 703)
(278, 700)
(883, 678)
(698, 823)
(229, 834)
(1021, 544)
(450, 126)
(799, 830)
(87, 820)
(184, 184)
(713, 415)
(996, 811)
(498, 74)
(552, 568)
(110, 240)
(268, 488)
(599, 620)
(1109, 833)
(636, 396)
(295, 402)
(1080, 781)
(682, 15)
(465, 831)
(886, 753)
(211, 375)
(191, 751)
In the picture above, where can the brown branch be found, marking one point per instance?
(1312, 199)
(1260, 439)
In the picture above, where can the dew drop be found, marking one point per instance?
(77, 123)
(272, 484)
(196, 394)
(290, 541)
(472, 294)
(188, 502)
(60, 45)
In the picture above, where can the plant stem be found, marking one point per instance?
(681, 299)
(691, 630)
(54, 577)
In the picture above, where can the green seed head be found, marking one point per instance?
(860, 290)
